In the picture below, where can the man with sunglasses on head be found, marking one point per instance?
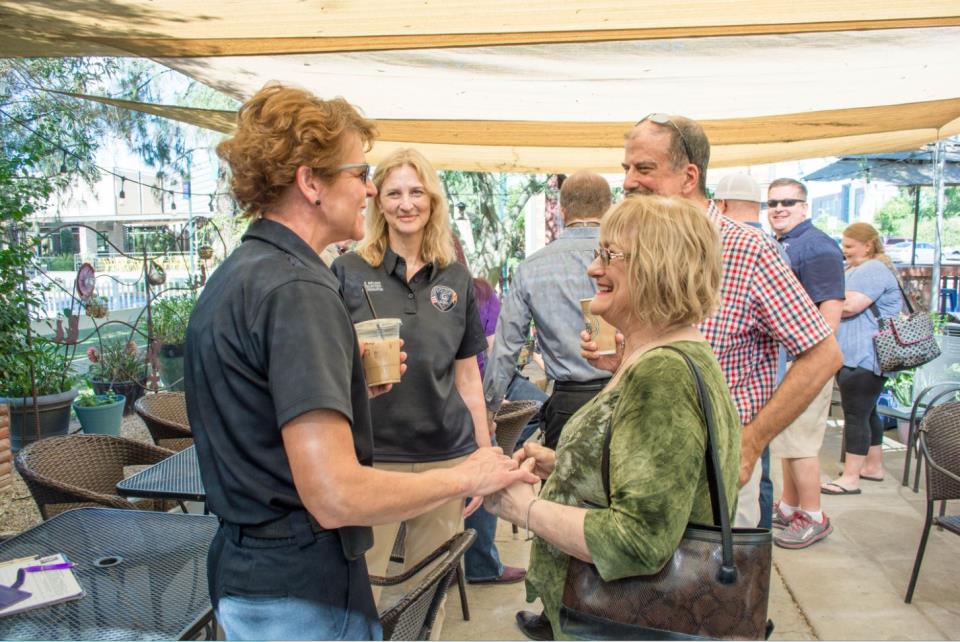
(818, 263)
(762, 304)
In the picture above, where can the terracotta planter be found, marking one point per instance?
(132, 390)
(54, 413)
(6, 453)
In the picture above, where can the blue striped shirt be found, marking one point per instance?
(547, 288)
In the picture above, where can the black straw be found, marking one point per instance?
(366, 295)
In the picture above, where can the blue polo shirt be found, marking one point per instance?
(817, 261)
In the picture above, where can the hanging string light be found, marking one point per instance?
(122, 196)
(173, 203)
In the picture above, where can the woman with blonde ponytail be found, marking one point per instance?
(872, 291)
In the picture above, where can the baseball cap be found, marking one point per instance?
(738, 187)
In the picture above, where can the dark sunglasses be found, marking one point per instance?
(606, 256)
(364, 174)
(786, 202)
(664, 119)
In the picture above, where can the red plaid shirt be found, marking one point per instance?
(762, 304)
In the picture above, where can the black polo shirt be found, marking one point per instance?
(423, 418)
(269, 340)
(817, 261)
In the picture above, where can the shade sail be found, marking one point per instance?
(546, 86)
(905, 168)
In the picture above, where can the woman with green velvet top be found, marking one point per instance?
(658, 272)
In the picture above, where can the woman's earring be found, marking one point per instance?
(317, 202)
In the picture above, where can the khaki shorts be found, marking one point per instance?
(804, 437)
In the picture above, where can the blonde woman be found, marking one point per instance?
(870, 282)
(658, 275)
(436, 416)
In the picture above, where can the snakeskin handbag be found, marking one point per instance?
(905, 341)
(715, 586)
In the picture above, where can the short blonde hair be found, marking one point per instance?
(280, 129)
(675, 261)
(437, 244)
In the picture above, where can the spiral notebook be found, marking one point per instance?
(36, 588)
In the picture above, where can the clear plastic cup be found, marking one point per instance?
(381, 354)
(604, 334)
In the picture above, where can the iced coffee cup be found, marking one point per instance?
(604, 334)
(381, 353)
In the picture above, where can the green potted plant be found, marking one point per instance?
(170, 317)
(901, 386)
(100, 414)
(119, 366)
(44, 410)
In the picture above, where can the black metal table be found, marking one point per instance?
(176, 477)
(144, 574)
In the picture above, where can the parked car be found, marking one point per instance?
(900, 252)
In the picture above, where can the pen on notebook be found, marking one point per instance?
(48, 567)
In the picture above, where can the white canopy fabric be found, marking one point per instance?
(770, 81)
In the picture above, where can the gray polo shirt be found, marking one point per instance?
(423, 418)
(269, 340)
(547, 288)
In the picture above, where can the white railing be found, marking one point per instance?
(124, 291)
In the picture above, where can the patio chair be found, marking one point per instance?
(165, 414)
(511, 420)
(413, 616)
(939, 441)
(397, 555)
(76, 471)
(925, 401)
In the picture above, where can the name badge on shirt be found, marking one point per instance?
(443, 298)
(373, 286)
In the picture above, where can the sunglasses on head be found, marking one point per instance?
(664, 119)
(786, 202)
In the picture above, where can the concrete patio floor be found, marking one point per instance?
(849, 586)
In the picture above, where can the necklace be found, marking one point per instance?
(583, 224)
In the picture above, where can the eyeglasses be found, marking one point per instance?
(664, 119)
(606, 256)
(786, 202)
(364, 175)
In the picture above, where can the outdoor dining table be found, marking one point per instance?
(176, 477)
(144, 575)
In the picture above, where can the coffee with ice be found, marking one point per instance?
(381, 354)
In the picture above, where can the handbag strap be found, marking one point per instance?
(906, 299)
(718, 496)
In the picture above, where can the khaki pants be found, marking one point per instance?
(425, 533)
(748, 501)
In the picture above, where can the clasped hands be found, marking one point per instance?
(511, 502)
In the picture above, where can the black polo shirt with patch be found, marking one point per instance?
(423, 418)
(269, 340)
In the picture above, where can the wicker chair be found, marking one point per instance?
(413, 616)
(940, 448)
(165, 414)
(397, 556)
(511, 420)
(76, 471)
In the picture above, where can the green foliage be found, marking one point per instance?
(87, 399)
(170, 317)
(495, 204)
(49, 363)
(902, 388)
(895, 217)
(59, 263)
(118, 360)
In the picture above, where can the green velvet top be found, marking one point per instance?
(658, 477)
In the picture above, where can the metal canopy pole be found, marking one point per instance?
(938, 186)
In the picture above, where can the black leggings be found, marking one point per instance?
(859, 391)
